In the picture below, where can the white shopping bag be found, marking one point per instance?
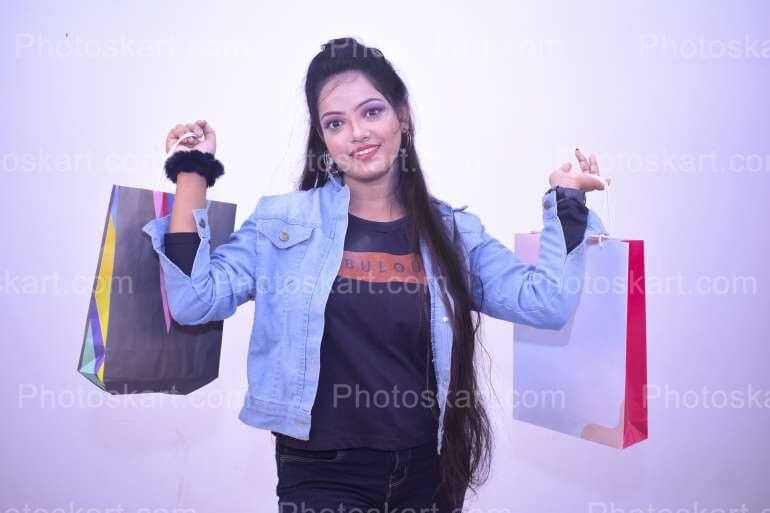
(589, 378)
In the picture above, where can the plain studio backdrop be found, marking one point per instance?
(671, 97)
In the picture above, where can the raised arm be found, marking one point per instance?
(219, 281)
(542, 295)
(216, 282)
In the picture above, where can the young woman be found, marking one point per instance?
(377, 343)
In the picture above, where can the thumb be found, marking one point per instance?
(207, 130)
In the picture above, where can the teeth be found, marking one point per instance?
(364, 152)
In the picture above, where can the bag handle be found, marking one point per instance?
(600, 237)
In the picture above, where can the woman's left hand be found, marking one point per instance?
(586, 178)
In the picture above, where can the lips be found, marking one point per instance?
(365, 152)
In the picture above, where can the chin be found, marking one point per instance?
(366, 173)
(366, 167)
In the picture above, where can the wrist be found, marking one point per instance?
(193, 162)
(190, 176)
(569, 192)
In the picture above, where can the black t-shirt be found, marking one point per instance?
(376, 385)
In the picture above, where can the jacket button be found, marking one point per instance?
(202, 223)
(546, 204)
(284, 235)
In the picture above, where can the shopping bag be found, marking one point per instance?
(131, 343)
(589, 378)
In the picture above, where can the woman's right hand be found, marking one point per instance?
(205, 139)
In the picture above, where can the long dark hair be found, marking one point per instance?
(467, 444)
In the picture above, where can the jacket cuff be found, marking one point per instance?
(567, 192)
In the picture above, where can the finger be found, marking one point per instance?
(554, 177)
(207, 130)
(173, 136)
(195, 130)
(594, 165)
(179, 130)
(584, 165)
(170, 139)
(174, 133)
(211, 136)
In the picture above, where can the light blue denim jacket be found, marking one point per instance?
(285, 257)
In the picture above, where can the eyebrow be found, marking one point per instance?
(357, 106)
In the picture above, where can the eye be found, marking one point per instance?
(375, 111)
(328, 124)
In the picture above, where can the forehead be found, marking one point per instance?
(345, 90)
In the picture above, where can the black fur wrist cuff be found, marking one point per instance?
(194, 161)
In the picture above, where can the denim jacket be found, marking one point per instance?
(286, 255)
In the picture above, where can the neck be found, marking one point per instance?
(375, 199)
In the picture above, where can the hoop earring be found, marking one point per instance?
(328, 164)
(408, 135)
(324, 165)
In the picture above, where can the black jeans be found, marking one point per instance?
(360, 480)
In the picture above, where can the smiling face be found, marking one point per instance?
(361, 130)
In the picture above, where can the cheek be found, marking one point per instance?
(334, 143)
(390, 136)
(394, 142)
(336, 147)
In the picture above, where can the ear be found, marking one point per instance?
(403, 115)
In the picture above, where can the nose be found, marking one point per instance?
(359, 130)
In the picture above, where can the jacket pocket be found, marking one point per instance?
(281, 249)
(282, 234)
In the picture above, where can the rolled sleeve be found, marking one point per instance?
(218, 281)
(505, 287)
(157, 229)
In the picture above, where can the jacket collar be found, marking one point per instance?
(444, 208)
(335, 182)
